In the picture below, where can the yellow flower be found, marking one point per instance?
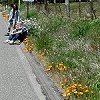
(81, 88)
(69, 87)
(68, 91)
(86, 91)
(65, 68)
(68, 94)
(80, 93)
(79, 85)
(26, 39)
(31, 46)
(75, 92)
(61, 68)
(73, 86)
(29, 49)
(49, 68)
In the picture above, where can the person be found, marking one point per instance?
(14, 17)
(19, 33)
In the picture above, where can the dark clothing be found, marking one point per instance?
(19, 36)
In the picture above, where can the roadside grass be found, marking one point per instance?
(72, 49)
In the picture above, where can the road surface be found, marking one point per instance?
(17, 82)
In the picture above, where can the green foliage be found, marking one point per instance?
(34, 32)
(33, 14)
(96, 89)
(55, 24)
(44, 42)
(94, 27)
(74, 57)
(80, 28)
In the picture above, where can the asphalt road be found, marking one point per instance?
(17, 82)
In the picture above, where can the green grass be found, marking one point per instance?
(76, 43)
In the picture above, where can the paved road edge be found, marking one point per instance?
(48, 88)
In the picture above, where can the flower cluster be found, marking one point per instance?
(59, 67)
(49, 68)
(28, 46)
(76, 89)
(31, 23)
(26, 40)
